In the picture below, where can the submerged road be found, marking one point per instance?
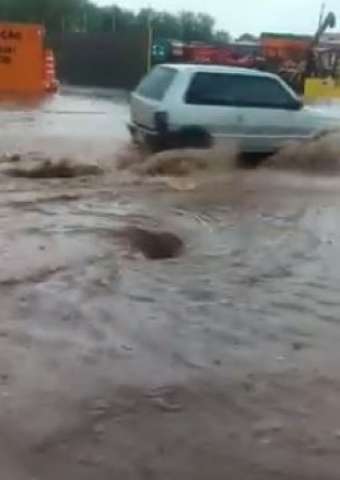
(221, 363)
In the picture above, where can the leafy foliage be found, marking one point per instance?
(83, 15)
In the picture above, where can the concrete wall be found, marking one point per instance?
(116, 60)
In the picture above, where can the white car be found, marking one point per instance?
(197, 105)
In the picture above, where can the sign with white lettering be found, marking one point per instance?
(21, 58)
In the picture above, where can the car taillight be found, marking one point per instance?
(161, 121)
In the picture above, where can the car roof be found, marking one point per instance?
(217, 69)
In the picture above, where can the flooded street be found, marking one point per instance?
(221, 363)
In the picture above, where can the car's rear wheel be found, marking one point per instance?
(154, 144)
(186, 137)
(192, 137)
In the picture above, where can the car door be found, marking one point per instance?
(268, 112)
(254, 110)
(204, 105)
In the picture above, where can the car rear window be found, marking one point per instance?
(237, 90)
(156, 84)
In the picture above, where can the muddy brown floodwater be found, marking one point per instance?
(220, 363)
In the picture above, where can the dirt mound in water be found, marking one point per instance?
(128, 157)
(50, 168)
(181, 162)
(321, 155)
(152, 244)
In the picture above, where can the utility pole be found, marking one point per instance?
(114, 19)
(85, 21)
(150, 40)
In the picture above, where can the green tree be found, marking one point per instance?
(166, 25)
(197, 27)
(84, 15)
(55, 14)
(205, 26)
(247, 37)
(222, 36)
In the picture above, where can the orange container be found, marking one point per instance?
(22, 58)
(284, 49)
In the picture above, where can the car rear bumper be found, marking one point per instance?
(145, 136)
(164, 139)
(135, 129)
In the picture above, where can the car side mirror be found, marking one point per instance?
(297, 104)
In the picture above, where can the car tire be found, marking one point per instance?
(186, 137)
(154, 144)
(191, 137)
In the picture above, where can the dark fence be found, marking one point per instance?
(116, 60)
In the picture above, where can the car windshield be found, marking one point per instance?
(238, 90)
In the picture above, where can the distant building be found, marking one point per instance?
(246, 47)
(284, 46)
(286, 36)
(330, 40)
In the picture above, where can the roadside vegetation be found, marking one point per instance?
(85, 16)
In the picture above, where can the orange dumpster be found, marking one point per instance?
(23, 64)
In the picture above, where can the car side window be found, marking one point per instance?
(238, 90)
(156, 84)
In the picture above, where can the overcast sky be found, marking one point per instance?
(253, 16)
